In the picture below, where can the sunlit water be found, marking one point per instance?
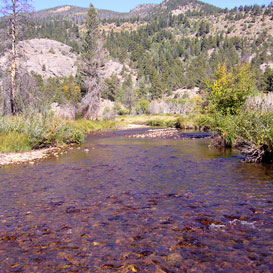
(133, 205)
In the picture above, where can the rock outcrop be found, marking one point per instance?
(45, 57)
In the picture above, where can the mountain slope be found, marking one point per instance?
(77, 14)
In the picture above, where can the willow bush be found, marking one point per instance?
(227, 113)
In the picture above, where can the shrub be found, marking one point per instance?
(123, 112)
(70, 134)
(37, 131)
(155, 122)
(256, 128)
(186, 122)
(51, 50)
(250, 131)
(142, 106)
(228, 92)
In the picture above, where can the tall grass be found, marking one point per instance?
(14, 142)
(250, 131)
(33, 131)
(168, 120)
(40, 130)
(88, 126)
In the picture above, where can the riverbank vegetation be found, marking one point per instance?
(34, 131)
(242, 116)
(160, 120)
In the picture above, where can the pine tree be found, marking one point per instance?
(268, 79)
(91, 64)
(90, 41)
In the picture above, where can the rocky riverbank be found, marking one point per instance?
(158, 133)
(29, 157)
(171, 133)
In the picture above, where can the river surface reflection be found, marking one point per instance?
(137, 205)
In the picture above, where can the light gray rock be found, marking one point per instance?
(43, 56)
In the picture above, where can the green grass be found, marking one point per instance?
(33, 131)
(14, 142)
(89, 126)
(251, 129)
(161, 120)
(18, 134)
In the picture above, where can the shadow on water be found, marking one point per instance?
(137, 205)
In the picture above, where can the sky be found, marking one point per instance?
(125, 5)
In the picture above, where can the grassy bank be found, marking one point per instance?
(161, 120)
(18, 134)
(249, 131)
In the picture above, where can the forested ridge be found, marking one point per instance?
(176, 44)
(177, 48)
(183, 51)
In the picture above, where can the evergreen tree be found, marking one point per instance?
(268, 79)
(111, 86)
(91, 64)
(90, 41)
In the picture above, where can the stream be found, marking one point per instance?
(137, 205)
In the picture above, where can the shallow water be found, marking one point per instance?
(137, 205)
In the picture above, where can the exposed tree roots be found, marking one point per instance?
(255, 154)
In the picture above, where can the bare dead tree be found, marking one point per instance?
(12, 8)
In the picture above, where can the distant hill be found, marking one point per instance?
(77, 14)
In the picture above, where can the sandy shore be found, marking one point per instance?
(28, 157)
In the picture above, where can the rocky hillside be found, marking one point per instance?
(50, 58)
(78, 14)
(45, 57)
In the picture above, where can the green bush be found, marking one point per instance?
(70, 134)
(142, 106)
(228, 92)
(156, 123)
(186, 122)
(256, 128)
(123, 112)
(253, 129)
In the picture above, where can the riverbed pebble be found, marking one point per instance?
(28, 157)
(159, 133)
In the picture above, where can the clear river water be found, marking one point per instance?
(137, 205)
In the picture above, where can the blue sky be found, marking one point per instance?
(125, 5)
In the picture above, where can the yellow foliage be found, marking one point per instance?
(72, 92)
(229, 90)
